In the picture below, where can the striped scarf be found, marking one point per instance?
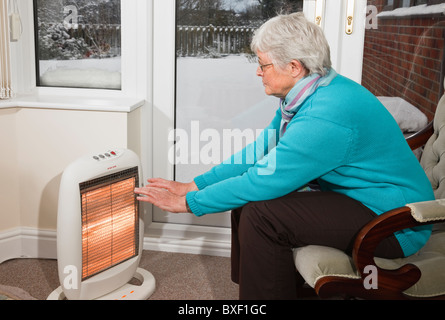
(299, 94)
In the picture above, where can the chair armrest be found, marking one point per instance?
(428, 211)
(373, 233)
(421, 137)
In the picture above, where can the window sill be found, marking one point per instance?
(36, 101)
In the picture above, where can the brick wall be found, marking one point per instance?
(404, 57)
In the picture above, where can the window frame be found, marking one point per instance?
(37, 61)
(24, 57)
(399, 4)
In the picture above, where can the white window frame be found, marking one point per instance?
(24, 55)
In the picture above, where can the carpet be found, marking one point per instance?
(13, 293)
(178, 277)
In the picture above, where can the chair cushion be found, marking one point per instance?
(316, 262)
(408, 117)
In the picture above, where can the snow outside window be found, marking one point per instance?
(78, 43)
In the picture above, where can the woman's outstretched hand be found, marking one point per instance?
(178, 188)
(167, 195)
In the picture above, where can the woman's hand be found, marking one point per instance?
(162, 199)
(167, 195)
(178, 188)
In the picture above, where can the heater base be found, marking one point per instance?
(127, 292)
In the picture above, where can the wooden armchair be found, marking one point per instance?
(332, 273)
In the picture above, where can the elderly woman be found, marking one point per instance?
(339, 161)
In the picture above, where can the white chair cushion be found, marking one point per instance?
(316, 262)
(408, 117)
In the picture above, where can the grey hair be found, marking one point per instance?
(292, 37)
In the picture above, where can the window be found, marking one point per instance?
(406, 3)
(78, 43)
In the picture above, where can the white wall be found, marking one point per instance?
(9, 183)
(37, 145)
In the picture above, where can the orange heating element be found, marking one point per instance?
(109, 226)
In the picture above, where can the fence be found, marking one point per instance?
(210, 40)
(103, 37)
(190, 40)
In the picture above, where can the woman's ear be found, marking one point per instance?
(297, 69)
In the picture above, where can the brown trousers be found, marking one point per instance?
(264, 234)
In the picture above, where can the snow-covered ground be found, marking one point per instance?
(85, 73)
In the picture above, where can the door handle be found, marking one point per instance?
(350, 16)
(319, 12)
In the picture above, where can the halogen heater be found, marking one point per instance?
(100, 230)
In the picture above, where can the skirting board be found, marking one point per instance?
(42, 244)
(27, 243)
(177, 238)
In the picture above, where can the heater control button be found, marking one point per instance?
(106, 156)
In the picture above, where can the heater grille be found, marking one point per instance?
(110, 221)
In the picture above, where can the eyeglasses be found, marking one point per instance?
(262, 67)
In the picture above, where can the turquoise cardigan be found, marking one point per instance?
(341, 136)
